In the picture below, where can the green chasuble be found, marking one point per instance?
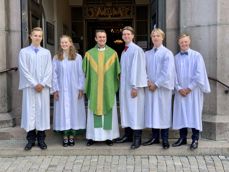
(102, 70)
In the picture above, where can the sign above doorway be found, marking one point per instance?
(109, 12)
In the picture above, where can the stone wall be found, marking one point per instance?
(172, 24)
(14, 43)
(3, 64)
(10, 41)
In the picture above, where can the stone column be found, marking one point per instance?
(3, 77)
(172, 24)
(13, 48)
(4, 91)
(207, 23)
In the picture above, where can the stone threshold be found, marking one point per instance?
(13, 148)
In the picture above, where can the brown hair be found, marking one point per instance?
(99, 30)
(129, 28)
(72, 50)
(157, 30)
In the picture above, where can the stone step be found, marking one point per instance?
(6, 120)
(12, 148)
(12, 142)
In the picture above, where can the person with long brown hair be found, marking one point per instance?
(68, 85)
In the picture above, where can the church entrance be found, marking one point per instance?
(114, 32)
(112, 17)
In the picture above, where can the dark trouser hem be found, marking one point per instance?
(156, 133)
(41, 136)
(128, 132)
(137, 133)
(31, 136)
(184, 133)
(195, 134)
(137, 139)
(164, 134)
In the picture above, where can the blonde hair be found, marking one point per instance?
(36, 29)
(72, 50)
(182, 35)
(129, 28)
(158, 30)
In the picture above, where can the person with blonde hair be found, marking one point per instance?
(35, 67)
(68, 85)
(191, 84)
(158, 99)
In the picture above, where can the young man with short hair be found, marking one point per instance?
(101, 67)
(35, 68)
(191, 84)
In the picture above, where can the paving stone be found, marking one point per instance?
(129, 163)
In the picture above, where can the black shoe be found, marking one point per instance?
(165, 145)
(65, 142)
(136, 143)
(123, 139)
(151, 141)
(109, 142)
(194, 145)
(135, 146)
(180, 142)
(71, 141)
(29, 146)
(42, 145)
(90, 142)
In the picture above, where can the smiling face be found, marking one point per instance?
(101, 39)
(36, 37)
(65, 43)
(184, 43)
(127, 36)
(157, 38)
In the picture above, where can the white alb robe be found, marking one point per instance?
(158, 104)
(190, 73)
(133, 75)
(68, 79)
(35, 68)
(100, 134)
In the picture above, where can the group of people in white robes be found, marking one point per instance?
(147, 83)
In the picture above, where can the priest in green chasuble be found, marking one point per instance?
(101, 67)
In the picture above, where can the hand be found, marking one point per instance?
(152, 87)
(149, 83)
(39, 88)
(134, 92)
(56, 95)
(182, 92)
(80, 94)
(188, 90)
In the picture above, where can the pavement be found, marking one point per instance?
(115, 163)
(210, 156)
